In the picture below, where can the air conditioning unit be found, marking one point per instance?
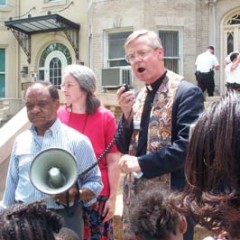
(115, 77)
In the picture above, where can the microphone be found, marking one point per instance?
(137, 175)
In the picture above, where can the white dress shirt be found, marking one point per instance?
(232, 76)
(206, 62)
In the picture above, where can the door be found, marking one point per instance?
(230, 40)
(54, 64)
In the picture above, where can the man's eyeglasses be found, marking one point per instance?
(67, 85)
(130, 58)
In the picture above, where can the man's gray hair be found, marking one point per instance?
(154, 39)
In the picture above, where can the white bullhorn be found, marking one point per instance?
(53, 171)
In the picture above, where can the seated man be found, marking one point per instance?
(152, 218)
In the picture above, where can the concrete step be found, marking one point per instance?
(212, 99)
(209, 100)
(207, 104)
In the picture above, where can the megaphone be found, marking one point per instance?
(53, 171)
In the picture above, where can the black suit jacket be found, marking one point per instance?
(187, 106)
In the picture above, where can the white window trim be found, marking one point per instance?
(180, 32)
(224, 28)
(53, 4)
(50, 56)
(106, 44)
(4, 4)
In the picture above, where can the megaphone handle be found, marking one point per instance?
(70, 210)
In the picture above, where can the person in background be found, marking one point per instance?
(232, 71)
(154, 143)
(227, 59)
(153, 218)
(206, 63)
(84, 113)
(42, 103)
(212, 193)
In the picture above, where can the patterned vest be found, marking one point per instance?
(159, 128)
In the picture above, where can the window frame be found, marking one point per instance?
(180, 47)
(51, 1)
(107, 60)
(53, 4)
(3, 73)
(3, 4)
(56, 79)
(53, 50)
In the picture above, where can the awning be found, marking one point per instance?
(24, 28)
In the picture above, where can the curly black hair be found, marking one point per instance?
(152, 217)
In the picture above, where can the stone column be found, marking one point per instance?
(213, 37)
(212, 21)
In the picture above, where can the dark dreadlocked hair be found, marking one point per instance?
(29, 222)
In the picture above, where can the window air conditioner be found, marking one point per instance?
(115, 77)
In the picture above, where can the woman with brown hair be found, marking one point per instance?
(83, 111)
(212, 168)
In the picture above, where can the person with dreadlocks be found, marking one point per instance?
(33, 222)
(29, 222)
(212, 193)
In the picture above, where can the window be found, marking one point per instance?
(116, 70)
(2, 72)
(171, 44)
(2, 2)
(234, 20)
(53, 59)
(230, 42)
(233, 33)
(54, 2)
(55, 71)
(115, 49)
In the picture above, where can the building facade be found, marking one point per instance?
(40, 37)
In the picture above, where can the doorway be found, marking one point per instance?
(53, 60)
(231, 40)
